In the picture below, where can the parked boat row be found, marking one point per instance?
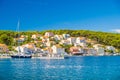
(38, 57)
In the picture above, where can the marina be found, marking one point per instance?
(59, 40)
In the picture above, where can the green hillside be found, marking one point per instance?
(105, 38)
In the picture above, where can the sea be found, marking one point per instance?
(73, 68)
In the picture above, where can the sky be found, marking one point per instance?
(98, 15)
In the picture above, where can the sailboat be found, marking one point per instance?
(19, 54)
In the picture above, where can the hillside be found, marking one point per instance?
(105, 38)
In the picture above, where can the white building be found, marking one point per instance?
(49, 34)
(58, 37)
(65, 36)
(99, 49)
(92, 51)
(66, 42)
(57, 49)
(45, 50)
(110, 48)
(34, 36)
(80, 40)
(81, 44)
(28, 48)
(72, 40)
(22, 49)
(44, 39)
(22, 39)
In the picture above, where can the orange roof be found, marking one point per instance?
(45, 37)
(74, 47)
(3, 45)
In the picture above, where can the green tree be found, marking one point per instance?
(8, 40)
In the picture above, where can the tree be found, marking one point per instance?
(67, 47)
(8, 40)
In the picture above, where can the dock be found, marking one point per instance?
(47, 57)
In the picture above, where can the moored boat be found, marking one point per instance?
(21, 56)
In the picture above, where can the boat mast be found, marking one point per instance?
(18, 37)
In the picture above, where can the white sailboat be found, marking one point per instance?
(20, 54)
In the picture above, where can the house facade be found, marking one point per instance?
(99, 49)
(110, 48)
(49, 34)
(76, 50)
(81, 41)
(57, 49)
(27, 48)
(66, 42)
(72, 40)
(65, 36)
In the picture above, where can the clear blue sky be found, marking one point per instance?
(99, 15)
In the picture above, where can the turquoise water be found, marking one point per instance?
(74, 68)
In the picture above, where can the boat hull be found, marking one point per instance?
(16, 56)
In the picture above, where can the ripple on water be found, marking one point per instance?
(76, 68)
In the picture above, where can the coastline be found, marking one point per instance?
(61, 57)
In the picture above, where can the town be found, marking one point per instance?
(51, 44)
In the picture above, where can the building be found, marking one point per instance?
(47, 50)
(3, 48)
(72, 40)
(57, 49)
(58, 37)
(91, 51)
(50, 43)
(23, 38)
(35, 36)
(20, 40)
(99, 49)
(76, 50)
(65, 36)
(45, 38)
(22, 49)
(66, 42)
(110, 48)
(80, 41)
(49, 34)
(27, 48)
(80, 44)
